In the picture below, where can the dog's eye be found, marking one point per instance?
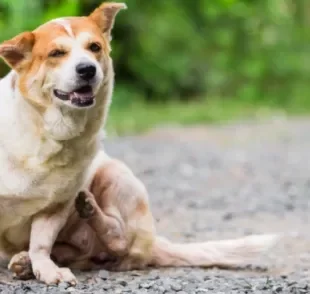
(57, 53)
(94, 47)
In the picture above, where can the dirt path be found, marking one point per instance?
(217, 182)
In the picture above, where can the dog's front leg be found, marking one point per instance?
(44, 231)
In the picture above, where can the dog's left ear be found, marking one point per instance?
(105, 14)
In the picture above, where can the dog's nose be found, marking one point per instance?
(86, 71)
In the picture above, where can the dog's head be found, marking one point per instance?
(64, 61)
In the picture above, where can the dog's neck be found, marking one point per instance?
(47, 132)
(56, 122)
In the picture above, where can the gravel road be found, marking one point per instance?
(213, 183)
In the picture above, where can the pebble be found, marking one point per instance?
(63, 286)
(176, 287)
(147, 285)
(103, 274)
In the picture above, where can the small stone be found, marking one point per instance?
(147, 285)
(103, 274)
(278, 289)
(123, 283)
(289, 206)
(106, 286)
(160, 289)
(187, 170)
(207, 278)
(63, 286)
(227, 216)
(263, 287)
(192, 204)
(118, 291)
(201, 290)
(136, 274)
(141, 292)
(176, 287)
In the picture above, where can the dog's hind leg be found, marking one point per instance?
(107, 223)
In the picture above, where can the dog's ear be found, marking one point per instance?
(18, 49)
(105, 14)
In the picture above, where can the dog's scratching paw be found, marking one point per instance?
(84, 206)
(20, 266)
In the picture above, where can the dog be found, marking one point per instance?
(112, 228)
(54, 102)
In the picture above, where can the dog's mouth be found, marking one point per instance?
(80, 97)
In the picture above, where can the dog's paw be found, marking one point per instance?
(49, 273)
(20, 266)
(84, 206)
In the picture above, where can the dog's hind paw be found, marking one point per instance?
(83, 205)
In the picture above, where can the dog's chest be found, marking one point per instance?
(16, 211)
(25, 192)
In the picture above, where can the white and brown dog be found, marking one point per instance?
(112, 228)
(54, 103)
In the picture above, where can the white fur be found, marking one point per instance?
(223, 253)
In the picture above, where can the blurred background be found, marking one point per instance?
(193, 62)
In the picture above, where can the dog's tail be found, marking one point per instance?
(223, 253)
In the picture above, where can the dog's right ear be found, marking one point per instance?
(18, 49)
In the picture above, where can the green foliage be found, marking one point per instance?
(249, 50)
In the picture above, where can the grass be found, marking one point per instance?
(140, 117)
